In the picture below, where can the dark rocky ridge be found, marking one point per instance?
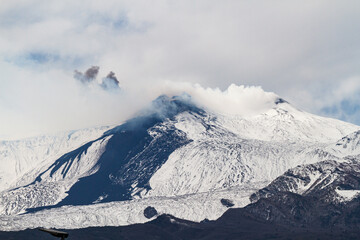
(319, 205)
(235, 224)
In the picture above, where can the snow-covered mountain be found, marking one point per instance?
(176, 156)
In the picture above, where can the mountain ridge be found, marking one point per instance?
(176, 151)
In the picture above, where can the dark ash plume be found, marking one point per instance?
(111, 75)
(87, 77)
(110, 82)
(92, 72)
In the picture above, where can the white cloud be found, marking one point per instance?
(235, 100)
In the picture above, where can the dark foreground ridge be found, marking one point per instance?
(235, 224)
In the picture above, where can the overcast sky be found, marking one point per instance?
(307, 52)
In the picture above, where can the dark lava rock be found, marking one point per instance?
(205, 220)
(227, 202)
(150, 212)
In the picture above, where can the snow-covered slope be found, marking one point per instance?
(228, 150)
(284, 122)
(329, 181)
(49, 187)
(172, 151)
(348, 145)
(196, 207)
(19, 157)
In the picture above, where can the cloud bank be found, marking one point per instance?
(305, 52)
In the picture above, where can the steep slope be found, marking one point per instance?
(48, 188)
(20, 157)
(113, 167)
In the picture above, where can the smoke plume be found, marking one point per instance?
(110, 82)
(89, 75)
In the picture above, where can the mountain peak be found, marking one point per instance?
(280, 100)
(167, 107)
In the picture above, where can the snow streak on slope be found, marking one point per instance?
(348, 195)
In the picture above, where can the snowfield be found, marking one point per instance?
(195, 207)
